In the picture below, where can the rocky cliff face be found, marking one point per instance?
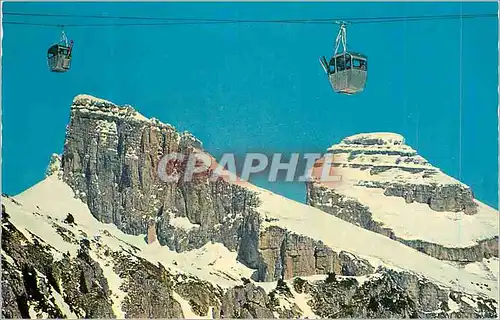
(111, 159)
(281, 254)
(39, 280)
(386, 187)
(103, 236)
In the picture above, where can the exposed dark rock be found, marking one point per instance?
(353, 211)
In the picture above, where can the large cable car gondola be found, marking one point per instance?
(347, 71)
(59, 55)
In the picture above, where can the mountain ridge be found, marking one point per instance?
(388, 188)
(232, 243)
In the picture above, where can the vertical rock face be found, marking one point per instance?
(285, 255)
(386, 187)
(111, 158)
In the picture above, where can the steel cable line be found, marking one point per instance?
(242, 20)
(193, 21)
(110, 24)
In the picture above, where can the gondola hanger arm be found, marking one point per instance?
(341, 37)
(64, 38)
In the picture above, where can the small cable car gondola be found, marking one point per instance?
(59, 55)
(346, 70)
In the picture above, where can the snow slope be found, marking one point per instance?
(37, 209)
(416, 221)
(378, 249)
(52, 199)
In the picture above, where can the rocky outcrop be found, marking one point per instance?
(280, 254)
(352, 210)
(229, 204)
(379, 153)
(111, 158)
(32, 277)
(378, 169)
(34, 282)
(483, 250)
(450, 197)
(248, 301)
(384, 294)
(391, 294)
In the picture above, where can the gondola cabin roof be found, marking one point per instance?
(354, 54)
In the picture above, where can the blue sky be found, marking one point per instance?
(259, 87)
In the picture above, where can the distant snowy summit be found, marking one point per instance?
(388, 188)
(103, 236)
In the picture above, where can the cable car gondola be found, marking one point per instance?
(346, 70)
(59, 55)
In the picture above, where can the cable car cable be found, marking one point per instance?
(393, 18)
(174, 21)
(422, 18)
(109, 24)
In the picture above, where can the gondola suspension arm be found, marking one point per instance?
(341, 38)
(64, 38)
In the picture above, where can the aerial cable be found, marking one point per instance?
(110, 24)
(326, 20)
(181, 21)
(423, 18)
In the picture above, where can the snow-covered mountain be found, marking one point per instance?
(388, 188)
(102, 236)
